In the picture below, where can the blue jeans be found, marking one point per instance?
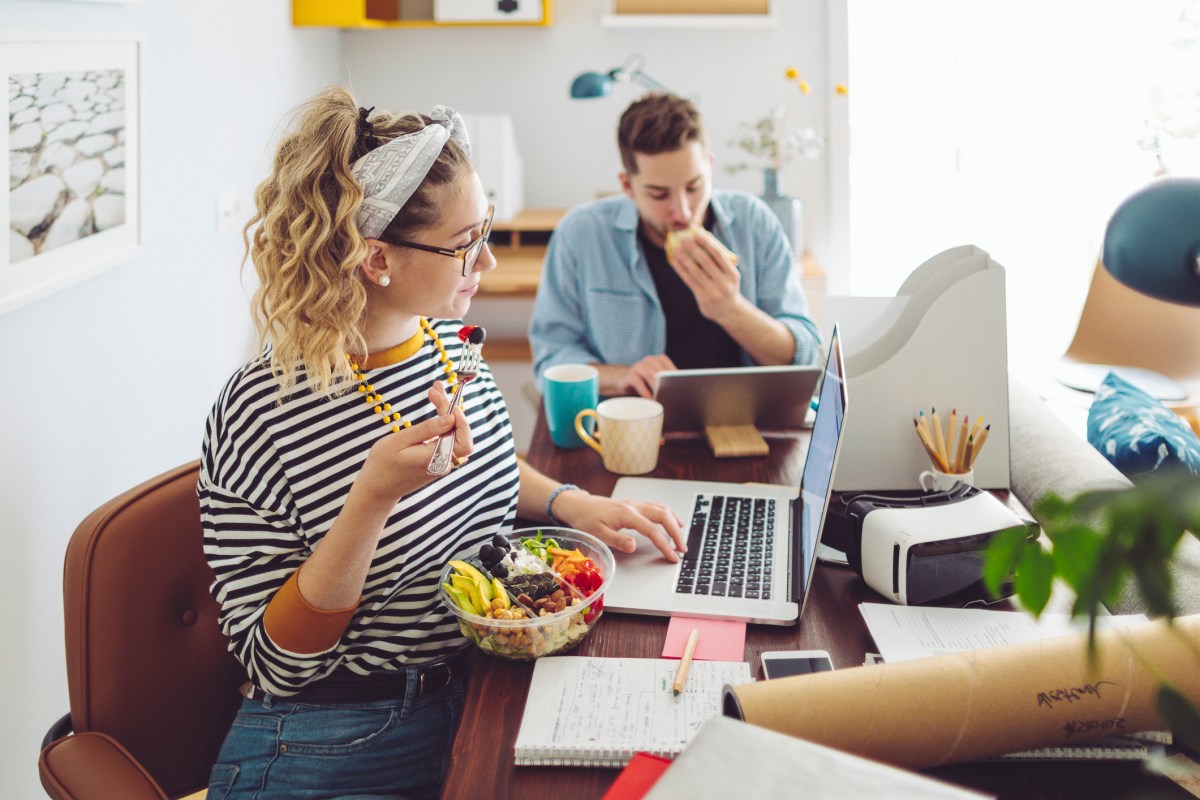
(381, 750)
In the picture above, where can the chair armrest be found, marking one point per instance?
(58, 730)
(94, 765)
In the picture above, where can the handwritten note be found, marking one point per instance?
(600, 711)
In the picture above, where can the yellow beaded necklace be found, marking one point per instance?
(374, 399)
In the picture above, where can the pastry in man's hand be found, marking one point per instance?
(674, 237)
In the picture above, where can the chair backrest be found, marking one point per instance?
(146, 661)
(1122, 327)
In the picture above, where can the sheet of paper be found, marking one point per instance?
(720, 640)
(602, 710)
(902, 633)
(732, 759)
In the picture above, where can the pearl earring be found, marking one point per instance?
(384, 280)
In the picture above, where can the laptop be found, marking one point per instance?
(751, 548)
(766, 397)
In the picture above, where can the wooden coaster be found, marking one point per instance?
(736, 441)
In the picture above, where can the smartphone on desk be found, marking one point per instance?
(785, 663)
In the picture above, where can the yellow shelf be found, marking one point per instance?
(392, 14)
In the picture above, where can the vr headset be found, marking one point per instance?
(919, 549)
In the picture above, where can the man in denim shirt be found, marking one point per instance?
(609, 295)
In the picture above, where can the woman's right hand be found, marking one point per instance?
(397, 464)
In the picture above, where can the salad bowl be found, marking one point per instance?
(530, 593)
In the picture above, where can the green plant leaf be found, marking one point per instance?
(1033, 578)
(1001, 557)
(1051, 506)
(1153, 581)
(1076, 554)
(1180, 715)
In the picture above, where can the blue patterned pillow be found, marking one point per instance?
(1137, 433)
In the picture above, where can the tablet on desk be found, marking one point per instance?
(770, 398)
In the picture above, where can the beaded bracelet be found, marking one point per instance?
(550, 500)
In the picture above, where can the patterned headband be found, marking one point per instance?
(390, 174)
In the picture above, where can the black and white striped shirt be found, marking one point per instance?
(274, 477)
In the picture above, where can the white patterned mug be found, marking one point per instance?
(630, 429)
(934, 480)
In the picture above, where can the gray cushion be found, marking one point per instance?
(1047, 456)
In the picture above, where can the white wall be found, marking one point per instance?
(569, 146)
(108, 383)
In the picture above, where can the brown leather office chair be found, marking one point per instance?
(153, 687)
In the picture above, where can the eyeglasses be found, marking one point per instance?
(468, 255)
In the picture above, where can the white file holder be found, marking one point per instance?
(941, 342)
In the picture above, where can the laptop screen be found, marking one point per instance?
(817, 478)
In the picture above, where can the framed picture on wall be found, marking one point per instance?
(73, 141)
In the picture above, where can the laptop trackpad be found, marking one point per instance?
(643, 579)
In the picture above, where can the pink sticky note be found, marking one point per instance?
(720, 640)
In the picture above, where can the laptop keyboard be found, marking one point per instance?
(729, 547)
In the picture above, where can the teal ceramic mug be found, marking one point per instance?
(567, 389)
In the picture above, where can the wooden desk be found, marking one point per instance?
(482, 759)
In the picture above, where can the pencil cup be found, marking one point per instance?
(630, 429)
(934, 480)
(568, 389)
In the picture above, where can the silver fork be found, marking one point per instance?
(468, 370)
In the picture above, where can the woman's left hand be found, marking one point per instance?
(608, 519)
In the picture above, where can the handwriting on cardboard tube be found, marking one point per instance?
(1072, 694)
(1092, 725)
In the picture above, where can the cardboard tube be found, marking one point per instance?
(983, 703)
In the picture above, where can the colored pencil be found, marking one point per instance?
(923, 424)
(923, 435)
(958, 465)
(939, 439)
(950, 426)
(979, 444)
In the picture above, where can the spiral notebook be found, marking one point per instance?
(597, 712)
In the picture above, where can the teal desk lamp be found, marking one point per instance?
(1152, 243)
(588, 85)
(1152, 247)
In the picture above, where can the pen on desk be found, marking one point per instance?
(686, 662)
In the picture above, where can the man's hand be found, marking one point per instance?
(642, 377)
(711, 274)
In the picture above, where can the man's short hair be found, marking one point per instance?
(660, 122)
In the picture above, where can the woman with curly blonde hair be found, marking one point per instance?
(323, 524)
